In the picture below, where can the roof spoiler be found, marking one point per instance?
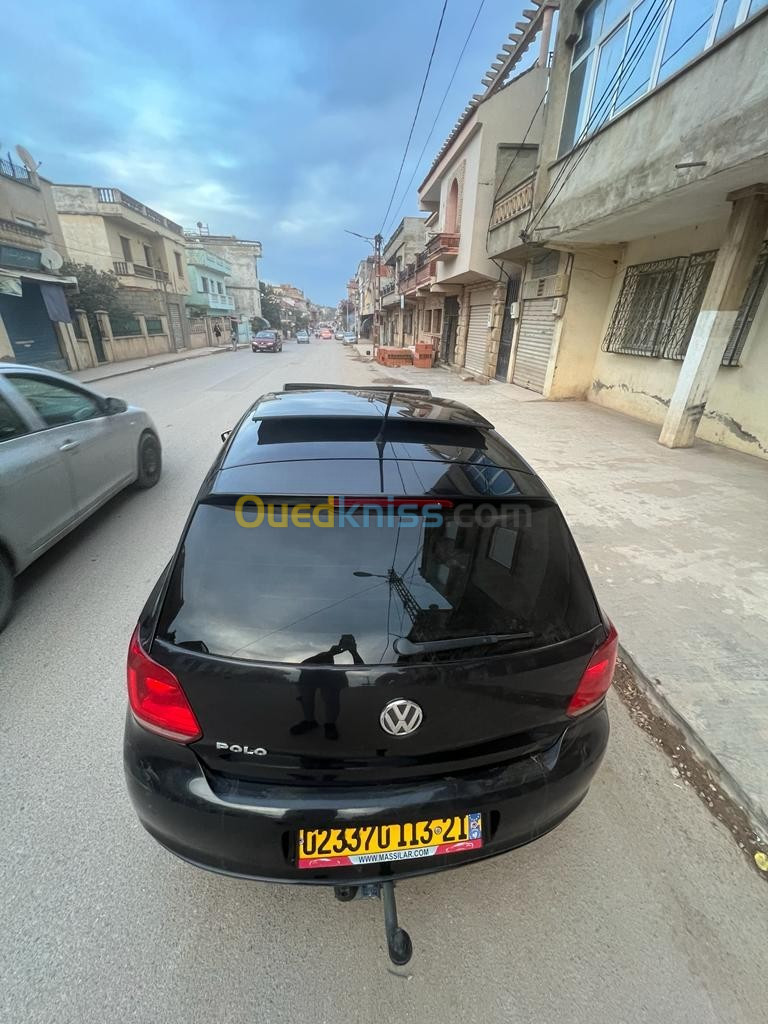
(422, 392)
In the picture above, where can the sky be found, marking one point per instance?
(278, 121)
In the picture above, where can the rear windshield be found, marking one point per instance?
(344, 593)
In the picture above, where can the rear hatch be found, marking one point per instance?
(290, 640)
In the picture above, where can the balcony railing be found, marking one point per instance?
(21, 229)
(518, 201)
(127, 269)
(115, 195)
(416, 275)
(220, 301)
(203, 258)
(9, 169)
(442, 246)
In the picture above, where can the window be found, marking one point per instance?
(748, 311)
(437, 319)
(56, 403)
(126, 246)
(517, 571)
(220, 287)
(147, 255)
(204, 282)
(179, 264)
(626, 47)
(659, 304)
(408, 322)
(11, 424)
(452, 208)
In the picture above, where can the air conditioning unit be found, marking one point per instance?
(514, 310)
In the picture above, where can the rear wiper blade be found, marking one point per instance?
(405, 646)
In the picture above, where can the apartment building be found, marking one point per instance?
(209, 276)
(111, 231)
(35, 322)
(400, 251)
(642, 236)
(243, 257)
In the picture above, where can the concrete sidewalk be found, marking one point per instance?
(107, 370)
(676, 545)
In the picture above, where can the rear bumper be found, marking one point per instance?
(248, 829)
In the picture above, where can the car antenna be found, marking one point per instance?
(380, 439)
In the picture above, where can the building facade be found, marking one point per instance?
(401, 250)
(649, 214)
(243, 257)
(35, 322)
(209, 276)
(108, 229)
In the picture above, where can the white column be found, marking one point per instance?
(731, 274)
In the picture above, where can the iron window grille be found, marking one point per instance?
(660, 301)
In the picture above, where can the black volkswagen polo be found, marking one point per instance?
(375, 653)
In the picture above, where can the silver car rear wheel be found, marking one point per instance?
(150, 461)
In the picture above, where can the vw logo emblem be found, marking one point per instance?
(401, 717)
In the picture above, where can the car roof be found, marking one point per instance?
(327, 402)
(335, 439)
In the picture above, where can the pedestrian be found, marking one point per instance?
(234, 337)
(217, 333)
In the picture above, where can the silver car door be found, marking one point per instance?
(37, 500)
(89, 439)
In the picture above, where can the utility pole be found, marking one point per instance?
(377, 318)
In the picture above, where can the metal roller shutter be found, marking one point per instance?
(477, 338)
(534, 344)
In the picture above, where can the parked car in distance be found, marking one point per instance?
(302, 337)
(64, 451)
(349, 338)
(326, 334)
(267, 341)
(339, 335)
(323, 705)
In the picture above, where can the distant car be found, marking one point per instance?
(64, 451)
(349, 338)
(267, 341)
(339, 335)
(302, 337)
(326, 334)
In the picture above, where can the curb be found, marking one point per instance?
(152, 366)
(651, 688)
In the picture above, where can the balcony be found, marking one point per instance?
(417, 276)
(8, 169)
(442, 246)
(510, 216)
(220, 301)
(203, 258)
(123, 268)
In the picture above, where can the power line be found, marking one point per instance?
(601, 109)
(416, 114)
(393, 219)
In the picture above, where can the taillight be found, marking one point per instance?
(156, 697)
(597, 677)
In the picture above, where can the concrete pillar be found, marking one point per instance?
(167, 332)
(102, 316)
(494, 331)
(65, 335)
(731, 274)
(6, 349)
(462, 328)
(84, 331)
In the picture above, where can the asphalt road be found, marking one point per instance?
(638, 908)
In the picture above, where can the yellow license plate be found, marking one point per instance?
(375, 844)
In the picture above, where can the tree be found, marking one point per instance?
(270, 304)
(98, 289)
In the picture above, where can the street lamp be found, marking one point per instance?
(376, 243)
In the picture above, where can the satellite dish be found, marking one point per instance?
(51, 259)
(27, 159)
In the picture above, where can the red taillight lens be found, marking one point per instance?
(156, 697)
(597, 676)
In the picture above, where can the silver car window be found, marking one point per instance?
(56, 403)
(11, 424)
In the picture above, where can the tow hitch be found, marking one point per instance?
(399, 943)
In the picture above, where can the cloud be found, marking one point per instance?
(282, 122)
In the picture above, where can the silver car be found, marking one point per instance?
(64, 451)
